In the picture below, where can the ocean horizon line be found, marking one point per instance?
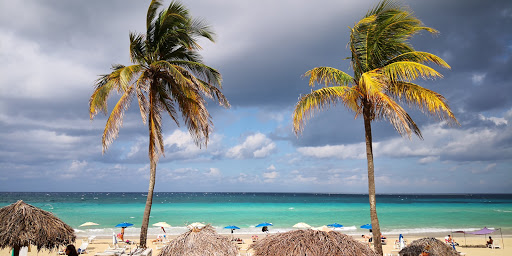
(318, 193)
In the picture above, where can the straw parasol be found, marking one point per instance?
(199, 242)
(22, 224)
(433, 246)
(311, 243)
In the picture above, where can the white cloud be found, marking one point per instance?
(179, 144)
(428, 159)
(254, 146)
(270, 175)
(354, 151)
(271, 167)
(495, 120)
(215, 172)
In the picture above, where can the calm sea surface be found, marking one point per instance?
(397, 213)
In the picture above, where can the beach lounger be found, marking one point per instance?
(89, 239)
(83, 248)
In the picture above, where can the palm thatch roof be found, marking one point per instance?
(311, 243)
(199, 242)
(429, 244)
(22, 224)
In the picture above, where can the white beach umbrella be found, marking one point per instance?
(162, 224)
(89, 224)
(301, 225)
(196, 225)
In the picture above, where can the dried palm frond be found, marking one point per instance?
(22, 224)
(429, 244)
(199, 242)
(311, 243)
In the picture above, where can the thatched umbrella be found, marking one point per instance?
(431, 245)
(199, 242)
(311, 243)
(22, 224)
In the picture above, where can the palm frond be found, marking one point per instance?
(328, 76)
(386, 108)
(127, 74)
(201, 71)
(319, 100)
(152, 10)
(429, 102)
(408, 71)
(137, 48)
(420, 57)
(115, 120)
(175, 71)
(104, 85)
(142, 88)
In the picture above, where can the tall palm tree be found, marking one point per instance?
(384, 65)
(167, 75)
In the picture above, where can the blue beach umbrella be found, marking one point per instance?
(123, 225)
(335, 225)
(264, 224)
(367, 226)
(231, 227)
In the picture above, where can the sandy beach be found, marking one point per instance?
(100, 244)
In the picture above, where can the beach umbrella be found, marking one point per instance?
(199, 242)
(431, 245)
(123, 225)
(163, 225)
(302, 225)
(196, 225)
(310, 242)
(231, 227)
(486, 231)
(89, 224)
(264, 224)
(22, 224)
(367, 226)
(335, 225)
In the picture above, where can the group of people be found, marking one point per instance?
(370, 237)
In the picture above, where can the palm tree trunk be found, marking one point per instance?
(149, 202)
(377, 243)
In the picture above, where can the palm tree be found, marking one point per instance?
(384, 65)
(167, 75)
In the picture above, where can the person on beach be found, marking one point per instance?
(370, 239)
(489, 243)
(122, 234)
(70, 250)
(264, 229)
(451, 241)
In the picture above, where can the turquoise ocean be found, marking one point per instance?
(405, 214)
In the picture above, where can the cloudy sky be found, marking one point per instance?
(52, 52)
